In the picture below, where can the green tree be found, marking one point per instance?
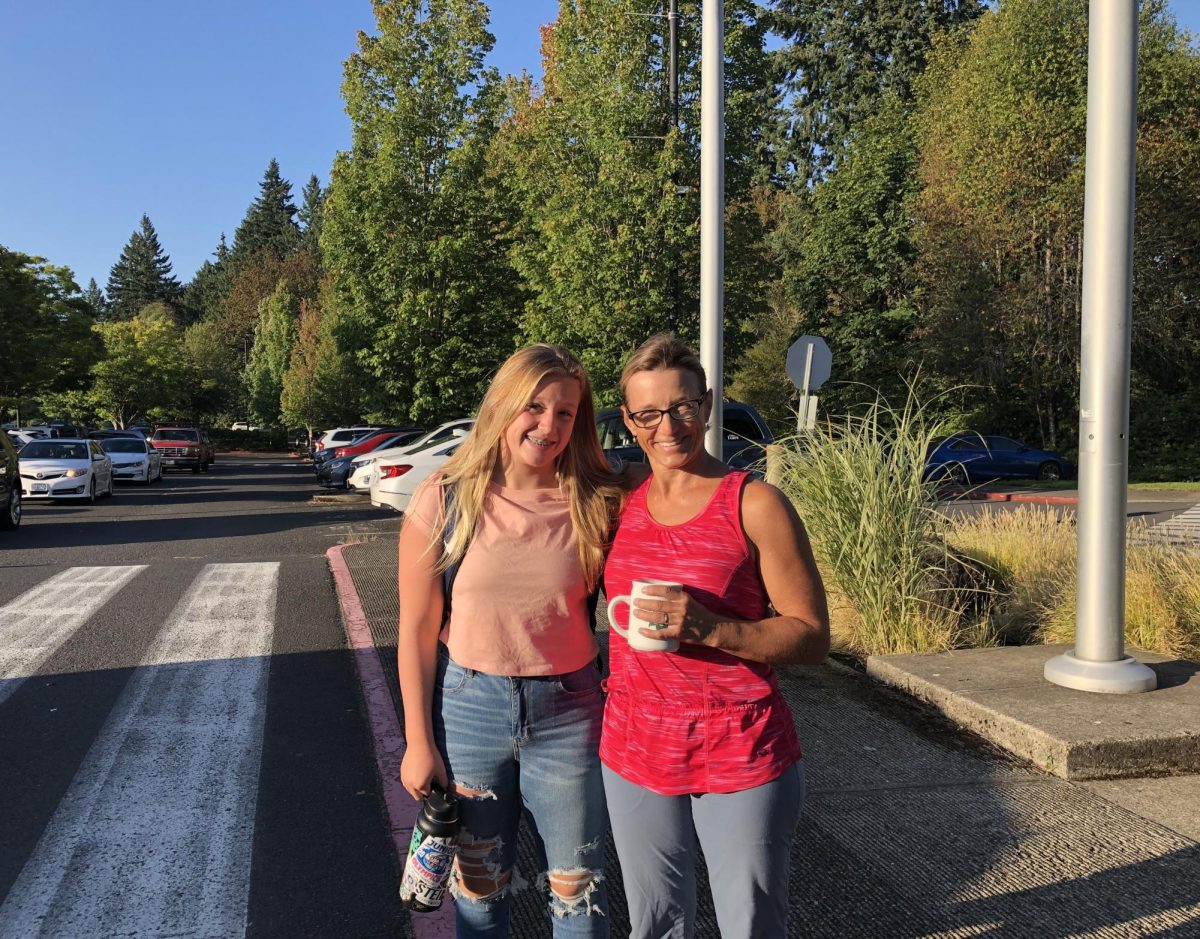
(93, 296)
(46, 342)
(270, 222)
(319, 386)
(204, 298)
(841, 59)
(413, 232)
(608, 236)
(141, 275)
(143, 372)
(311, 208)
(847, 254)
(272, 352)
(214, 385)
(1000, 131)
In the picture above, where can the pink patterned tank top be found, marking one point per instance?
(699, 719)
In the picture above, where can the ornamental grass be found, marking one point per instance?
(895, 583)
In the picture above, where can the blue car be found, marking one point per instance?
(970, 457)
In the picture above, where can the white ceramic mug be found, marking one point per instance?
(633, 634)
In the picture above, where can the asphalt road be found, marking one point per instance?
(182, 746)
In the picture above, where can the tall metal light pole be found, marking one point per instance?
(1098, 661)
(712, 211)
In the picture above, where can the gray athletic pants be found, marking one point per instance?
(746, 837)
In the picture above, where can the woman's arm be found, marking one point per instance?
(799, 633)
(421, 604)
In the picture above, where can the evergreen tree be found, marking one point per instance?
(93, 296)
(413, 229)
(839, 60)
(142, 275)
(270, 222)
(204, 298)
(311, 207)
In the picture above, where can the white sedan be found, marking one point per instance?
(363, 472)
(133, 458)
(397, 479)
(65, 469)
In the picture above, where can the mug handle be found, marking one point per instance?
(612, 622)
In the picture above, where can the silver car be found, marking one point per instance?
(70, 468)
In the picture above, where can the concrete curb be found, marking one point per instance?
(1036, 498)
(1000, 695)
(387, 737)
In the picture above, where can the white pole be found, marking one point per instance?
(1098, 661)
(712, 212)
(802, 419)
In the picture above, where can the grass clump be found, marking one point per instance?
(895, 584)
(1033, 553)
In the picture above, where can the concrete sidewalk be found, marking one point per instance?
(915, 828)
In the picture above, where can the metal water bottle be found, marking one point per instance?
(431, 852)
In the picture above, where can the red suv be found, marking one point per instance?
(183, 447)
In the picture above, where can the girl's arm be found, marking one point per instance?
(421, 604)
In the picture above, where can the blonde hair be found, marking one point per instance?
(663, 351)
(582, 469)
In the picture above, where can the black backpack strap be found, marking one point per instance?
(450, 509)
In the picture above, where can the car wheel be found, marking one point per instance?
(12, 516)
(91, 497)
(204, 467)
(109, 494)
(1049, 471)
(196, 470)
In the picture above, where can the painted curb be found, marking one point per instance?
(387, 737)
(1026, 497)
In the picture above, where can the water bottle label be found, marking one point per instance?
(427, 870)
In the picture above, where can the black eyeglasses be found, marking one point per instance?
(683, 411)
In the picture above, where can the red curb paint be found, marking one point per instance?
(1035, 498)
(387, 737)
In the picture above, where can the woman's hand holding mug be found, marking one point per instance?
(645, 634)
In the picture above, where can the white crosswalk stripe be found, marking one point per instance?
(153, 836)
(37, 623)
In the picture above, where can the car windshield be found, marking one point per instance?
(170, 434)
(54, 450)
(123, 445)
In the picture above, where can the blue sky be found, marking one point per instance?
(174, 107)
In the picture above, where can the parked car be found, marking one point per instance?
(746, 436)
(341, 435)
(245, 425)
(970, 457)
(333, 474)
(133, 458)
(363, 467)
(65, 468)
(329, 441)
(10, 484)
(183, 448)
(395, 480)
(21, 437)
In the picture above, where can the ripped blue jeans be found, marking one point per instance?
(511, 743)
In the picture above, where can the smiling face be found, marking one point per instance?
(538, 435)
(673, 444)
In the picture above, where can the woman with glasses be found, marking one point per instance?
(699, 741)
(498, 674)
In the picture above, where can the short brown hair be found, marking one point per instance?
(663, 351)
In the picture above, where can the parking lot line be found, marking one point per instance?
(37, 623)
(153, 836)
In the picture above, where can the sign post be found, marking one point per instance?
(809, 363)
